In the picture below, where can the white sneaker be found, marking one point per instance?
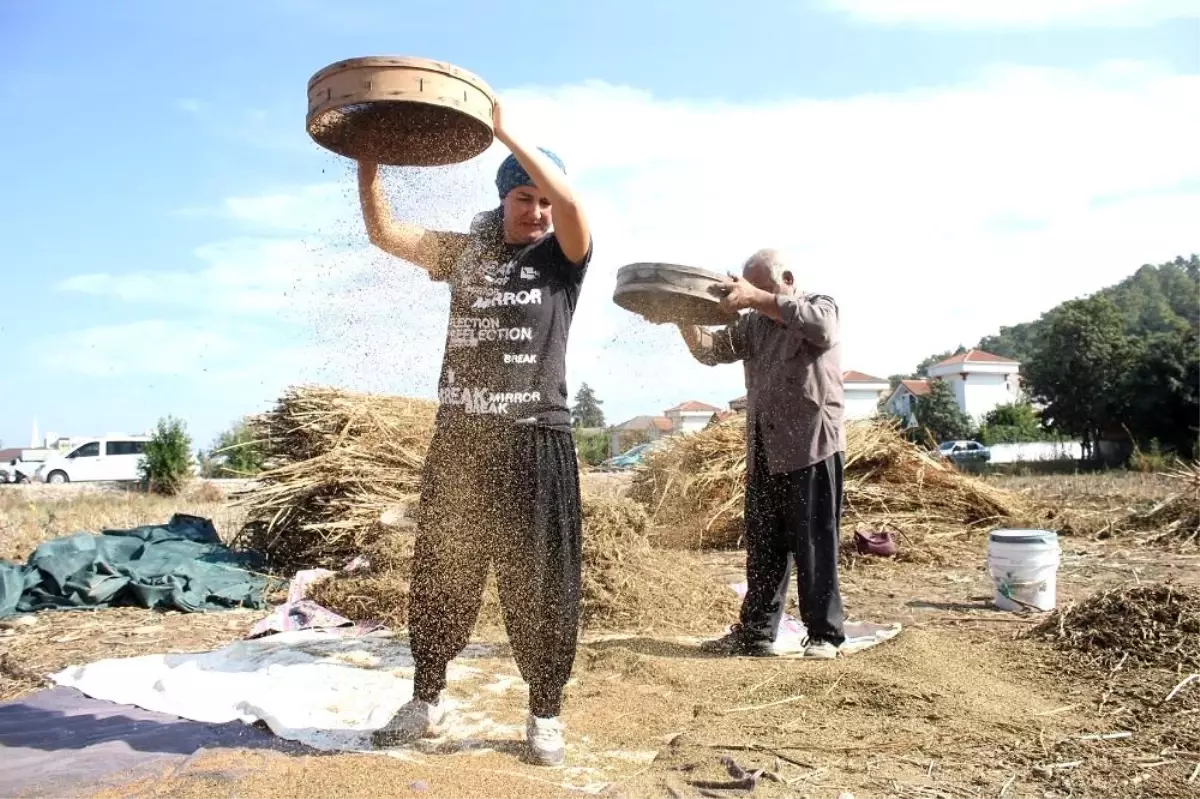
(547, 746)
(820, 650)
(417, 719)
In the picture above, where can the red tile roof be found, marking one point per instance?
(974, 356)
(661, 423)
(691, 406)
(919, 388)
(860, 377)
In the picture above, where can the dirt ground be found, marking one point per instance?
(957, 705)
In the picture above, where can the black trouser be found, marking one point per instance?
(509, 495)
(793, 517)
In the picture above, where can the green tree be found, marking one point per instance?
(1079, 368)
(586, 411)
(593, 447)
(1153, 334)
(1163, 392)
(938, 415)
(1012, 423)
(923, 367)
(1154, 299)
(235, 453)
(166, 464)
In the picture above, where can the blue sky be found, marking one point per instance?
(174, 244)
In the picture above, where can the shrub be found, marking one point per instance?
(1153, 461)
(166, 463)
(235, 453)
(593, 447)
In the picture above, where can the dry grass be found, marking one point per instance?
(31, 514)
(694, 488)
(1177, 517)
(1118, 489)
(1156, 507)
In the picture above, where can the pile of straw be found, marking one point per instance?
(343, 479)
(626, 584)
(1154, 625)
(337, 463)
(694, 487)
(1177, 518)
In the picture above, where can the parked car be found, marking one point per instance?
(22, 468)
(109, 459)
(964, 451)
(630, 459)
(18, 471)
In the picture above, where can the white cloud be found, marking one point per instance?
(933, 216)
(191, 105)
(1016, 13)
(246, 275)
(154, 346)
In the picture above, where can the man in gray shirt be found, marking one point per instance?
(795, 440)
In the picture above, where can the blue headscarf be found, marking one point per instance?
(511, 174)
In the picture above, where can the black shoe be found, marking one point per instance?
(736, 643)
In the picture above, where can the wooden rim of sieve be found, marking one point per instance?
(436, 113)
(670, 292)
(409, 62)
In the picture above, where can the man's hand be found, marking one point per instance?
(739, 294)
(691, 335)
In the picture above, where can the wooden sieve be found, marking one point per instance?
(400, 111)
(668, 293)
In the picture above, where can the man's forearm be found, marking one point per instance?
(767, 304)
(710, 348)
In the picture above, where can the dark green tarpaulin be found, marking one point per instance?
(181, 565)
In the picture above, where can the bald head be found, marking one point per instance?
(767, 271)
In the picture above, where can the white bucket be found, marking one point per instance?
(1024, 569)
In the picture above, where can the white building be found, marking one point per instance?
(862, 394)
(690, 417)
(904, 400)
(981, 381)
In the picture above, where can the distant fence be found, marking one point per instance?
(1037, 451)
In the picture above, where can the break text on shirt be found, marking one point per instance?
(477, 401)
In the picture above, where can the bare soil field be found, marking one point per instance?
(961, 703)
